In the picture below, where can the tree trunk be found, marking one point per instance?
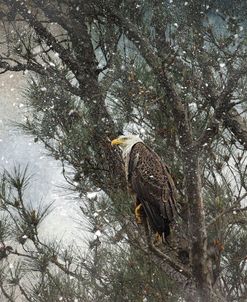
(197, 229)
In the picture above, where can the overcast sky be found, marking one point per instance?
(15, 148)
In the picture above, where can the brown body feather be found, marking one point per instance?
(149, 179)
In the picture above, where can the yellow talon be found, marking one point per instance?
(158, 239)
(138, 214)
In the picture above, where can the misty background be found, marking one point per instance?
(47, 182)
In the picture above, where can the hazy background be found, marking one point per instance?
(15, 148)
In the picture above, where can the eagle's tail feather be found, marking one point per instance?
(157, 222)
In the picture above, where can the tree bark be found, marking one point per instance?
(197, 228)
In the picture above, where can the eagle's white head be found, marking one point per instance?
(126, 142)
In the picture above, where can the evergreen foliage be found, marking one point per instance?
(173, 72)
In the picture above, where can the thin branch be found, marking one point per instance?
(44, 34)
(225, 212)
(39, 69)
(5, 293)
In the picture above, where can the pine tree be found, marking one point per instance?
(171, 71)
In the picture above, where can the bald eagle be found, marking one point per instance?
(150, 182)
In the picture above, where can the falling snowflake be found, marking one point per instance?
(91, 195)
(98, 233)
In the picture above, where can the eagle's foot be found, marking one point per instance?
(157, 240)
(138, 213)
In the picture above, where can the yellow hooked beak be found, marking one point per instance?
(116, 141)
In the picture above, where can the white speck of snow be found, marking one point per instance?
(76, 300)
(24, 236)
(222, 65)
(71, 112)
(144, 299)
(11, 76)
(52, 64)
(29, 11)
(95, 215)
(234, 212)
(241, 28)
(175, 24)
(60, 299)
(21, 105)
(186, 3)
(193, 105)
(236, 36)
(98, 233)
(43, 89)
(91, 195)
(170, 1)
